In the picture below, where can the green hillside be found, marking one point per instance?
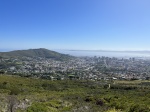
(36, 95)
(44, 53)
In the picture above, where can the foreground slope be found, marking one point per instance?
(19, 94)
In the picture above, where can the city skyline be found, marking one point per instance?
(75, 25)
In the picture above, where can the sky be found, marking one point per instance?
(75, 24)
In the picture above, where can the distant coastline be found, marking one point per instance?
(140, 51)
(107, 53)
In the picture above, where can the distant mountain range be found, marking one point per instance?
(41, 52)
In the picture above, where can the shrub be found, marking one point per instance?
(37, 107)
(139, 108)
(14, 91)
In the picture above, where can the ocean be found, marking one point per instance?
(106, 53)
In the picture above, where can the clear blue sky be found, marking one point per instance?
(75, 24)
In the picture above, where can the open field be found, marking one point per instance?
(131, 82)
(36, 95)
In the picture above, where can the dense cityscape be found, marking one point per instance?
(91, 68)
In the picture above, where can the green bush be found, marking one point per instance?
(37, 107)
(14, 91)
(139, 108)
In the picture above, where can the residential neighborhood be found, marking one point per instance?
(89, 68)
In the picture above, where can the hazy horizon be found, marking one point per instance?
(101, 50)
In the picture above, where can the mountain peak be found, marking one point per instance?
(40, 52)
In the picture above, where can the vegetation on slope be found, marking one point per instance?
(44, 53)
(36, 95)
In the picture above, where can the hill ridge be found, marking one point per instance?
(40, 52)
